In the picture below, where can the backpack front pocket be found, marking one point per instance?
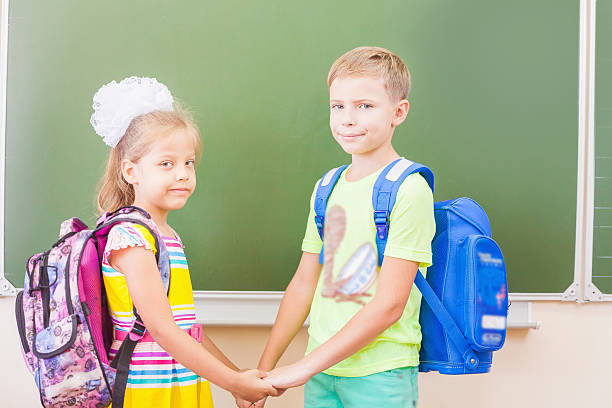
(57, 338)
(486, 293)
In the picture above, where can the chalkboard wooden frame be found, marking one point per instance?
(6, 287)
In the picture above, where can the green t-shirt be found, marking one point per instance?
(349, 276)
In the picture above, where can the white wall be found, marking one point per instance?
(565, 363)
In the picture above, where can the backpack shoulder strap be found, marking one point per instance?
(324, 190)
(140, 217)
(385, 193)
(470, 358)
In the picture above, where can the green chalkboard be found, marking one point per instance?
(493, 113)
(602, 221)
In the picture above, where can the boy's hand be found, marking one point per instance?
(240, 403)
(289, 376)
(251, 387)
(260, 403)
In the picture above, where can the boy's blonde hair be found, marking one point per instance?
(375, 62)
(114, 192)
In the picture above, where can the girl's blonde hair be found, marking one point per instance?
(114, 192)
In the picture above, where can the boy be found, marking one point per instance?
(363, 349)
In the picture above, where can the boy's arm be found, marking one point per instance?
(212, 348)
(294, 309)
(394, 285)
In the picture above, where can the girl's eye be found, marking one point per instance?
(337, 106)
(166, 164)
(365, 106)
(190, 162)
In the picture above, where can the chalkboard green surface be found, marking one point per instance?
(602, 221)
(493, 113)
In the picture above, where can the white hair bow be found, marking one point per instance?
(116, 104)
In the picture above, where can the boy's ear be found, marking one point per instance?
(128, 171)
(401, 110)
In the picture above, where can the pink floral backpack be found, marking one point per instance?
(62, 318)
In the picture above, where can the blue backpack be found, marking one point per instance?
(465, 296)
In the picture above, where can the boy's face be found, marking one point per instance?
(362, 115)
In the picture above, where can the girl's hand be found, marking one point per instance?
(289, 376)
(250, 386)
(240, 403)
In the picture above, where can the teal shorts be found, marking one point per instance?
(397, 388)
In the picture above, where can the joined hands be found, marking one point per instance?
(250, 386)
(280, 379)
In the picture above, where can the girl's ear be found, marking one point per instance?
(128, 170)
(401, 110)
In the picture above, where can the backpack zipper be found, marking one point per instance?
(21, 322)
(43, 283)
(470, 285)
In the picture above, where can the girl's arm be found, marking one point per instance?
(387, 306)
(146, 289)
(293, 311)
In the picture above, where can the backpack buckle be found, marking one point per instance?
(320, 221)
(122, 211)
(137, 331)
(381, 219)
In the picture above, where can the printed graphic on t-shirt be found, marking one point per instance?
(358, 273)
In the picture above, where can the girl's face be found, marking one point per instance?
(164, 178)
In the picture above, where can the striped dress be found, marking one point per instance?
(155, 378)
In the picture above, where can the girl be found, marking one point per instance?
(155, 146)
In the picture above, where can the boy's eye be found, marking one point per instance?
(166, 164)
(365, 105)
(190, 162)
(337, 106)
